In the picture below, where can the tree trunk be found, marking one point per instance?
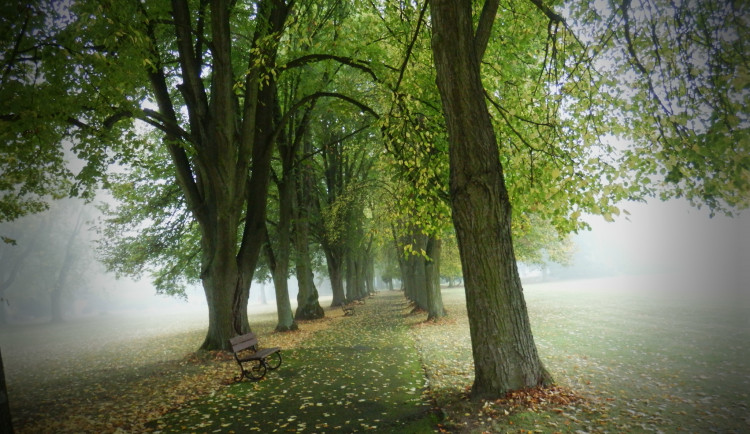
(416, 280)
(505, 355)
(221, 278)
(6, 423)
(335, 273)
(435, 308)
(369, 272)
(308, 304)
(280, 271)
(351, 278)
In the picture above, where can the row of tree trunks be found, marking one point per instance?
(435, 307)
(335, 264)
(359, 282)
(421, 272)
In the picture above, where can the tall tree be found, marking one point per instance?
(557, 116)
(213, 106)
(505, 355)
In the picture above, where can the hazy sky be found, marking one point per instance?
(681, 239)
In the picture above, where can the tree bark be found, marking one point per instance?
(351, 277)
(435, 307)
(281, 264)
(308, 304)
(335, 273)
(505, 355)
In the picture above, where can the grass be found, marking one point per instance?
(361, 373)
(644, 361)
(628, 356)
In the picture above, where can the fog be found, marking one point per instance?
(665, 249)
(682, 248)
(666, 246)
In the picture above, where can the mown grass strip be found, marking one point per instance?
(361, 373)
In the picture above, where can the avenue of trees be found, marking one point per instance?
(284, 137)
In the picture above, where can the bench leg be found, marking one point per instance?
(273, 361)
(256, 371)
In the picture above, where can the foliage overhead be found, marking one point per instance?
(607, 101)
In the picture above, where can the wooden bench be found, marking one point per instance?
(254, 361)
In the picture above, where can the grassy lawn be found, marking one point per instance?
(643, 361)
(627, 355)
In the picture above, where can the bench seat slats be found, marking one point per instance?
(244, 345)
(260, 354)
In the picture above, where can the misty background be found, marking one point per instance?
(661, 246)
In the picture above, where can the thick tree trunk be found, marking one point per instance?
(221, 277)
(369, 273)
(280, 271)
(415, 279)
(351, 278)
(308, 304)
(360, 290)
(505, 355)
(435, 307)
(335, 273)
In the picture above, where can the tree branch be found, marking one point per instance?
(192, 88)
(484, 28)
(552, 15)
(362, 65)
(410, 47)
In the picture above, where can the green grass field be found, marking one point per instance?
(646, 358)
(643, 356)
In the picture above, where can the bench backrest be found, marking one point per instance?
(243, 342)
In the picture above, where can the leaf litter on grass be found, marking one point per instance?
(361, 373)
(108, 382)
(623, 355)
(689, 375)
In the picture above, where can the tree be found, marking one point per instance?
(677, 117)
(684, 88)
(505, 355)
(308, 305)
(32, 170)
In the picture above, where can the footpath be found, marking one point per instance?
(361, 373)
